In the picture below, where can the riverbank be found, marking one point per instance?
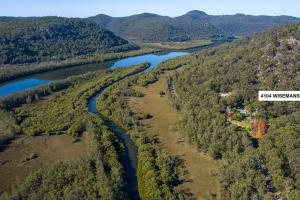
(115, 104)
(198, 170)
(12, 72)
(43, 78)
(65, 112)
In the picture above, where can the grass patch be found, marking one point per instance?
(178, 45)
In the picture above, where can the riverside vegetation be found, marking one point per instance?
(157, 171)
(59, 108)
(11, 72)
(64, 110)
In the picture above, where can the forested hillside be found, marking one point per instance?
(30, 40)
(193, 25)
(239, 24)
(231, 76)
(151, 27)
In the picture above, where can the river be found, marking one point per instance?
(36, 80)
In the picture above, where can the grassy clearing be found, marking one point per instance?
(27, 154)
(197, 170)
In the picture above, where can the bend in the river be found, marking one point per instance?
(32, 81)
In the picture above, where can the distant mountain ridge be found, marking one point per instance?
(193, 25)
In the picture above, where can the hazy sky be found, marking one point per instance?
(84, 8)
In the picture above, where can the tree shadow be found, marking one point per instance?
(5, 141)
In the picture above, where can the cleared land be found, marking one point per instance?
(177, 45)
(27, 154)
(197, 169)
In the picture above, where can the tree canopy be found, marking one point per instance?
(33, 40)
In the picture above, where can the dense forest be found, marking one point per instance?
(151, 27)
(193, 25)
(32, 40)
(264, 61)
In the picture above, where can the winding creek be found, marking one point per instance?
(131, 151)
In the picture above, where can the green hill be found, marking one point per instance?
(263, 61)
(193, 25)
(30, 40)
(151, 27)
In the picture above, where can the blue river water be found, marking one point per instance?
(153, 59)
(20, 86)
(44, 78)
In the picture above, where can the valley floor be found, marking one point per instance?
(197, 169)
(26, 154)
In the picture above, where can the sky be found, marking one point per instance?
(119, 8)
